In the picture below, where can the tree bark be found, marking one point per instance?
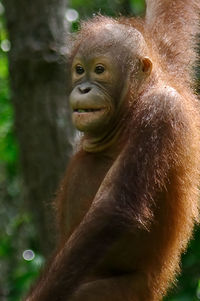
(39, 80)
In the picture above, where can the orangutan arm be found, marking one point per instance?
(125, 198)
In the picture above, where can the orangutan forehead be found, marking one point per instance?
(109, 37)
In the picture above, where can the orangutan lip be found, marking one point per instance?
(87, 110)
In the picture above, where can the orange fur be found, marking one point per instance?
(127, 212)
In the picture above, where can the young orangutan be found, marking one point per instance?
(129, 200)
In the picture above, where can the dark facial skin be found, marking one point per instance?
(101, 81)
(95, 82)
(103, 75)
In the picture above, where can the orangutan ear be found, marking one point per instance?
(146, 65)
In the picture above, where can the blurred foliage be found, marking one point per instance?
(105, 7)
(16, 230)
(188, 285)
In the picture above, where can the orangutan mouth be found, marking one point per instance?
(88, 110)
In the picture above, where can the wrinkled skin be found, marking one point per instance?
(100, 85)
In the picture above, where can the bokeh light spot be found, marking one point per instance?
(5, 45)
(28, 255)
(71, 15)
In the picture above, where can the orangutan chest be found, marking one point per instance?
(84, 183)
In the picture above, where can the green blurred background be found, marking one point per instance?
(21, 252)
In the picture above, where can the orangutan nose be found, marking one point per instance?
(84, 89)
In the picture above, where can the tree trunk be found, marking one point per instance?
(39, 84)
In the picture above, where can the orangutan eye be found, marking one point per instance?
(79, 69)
(99, 69)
